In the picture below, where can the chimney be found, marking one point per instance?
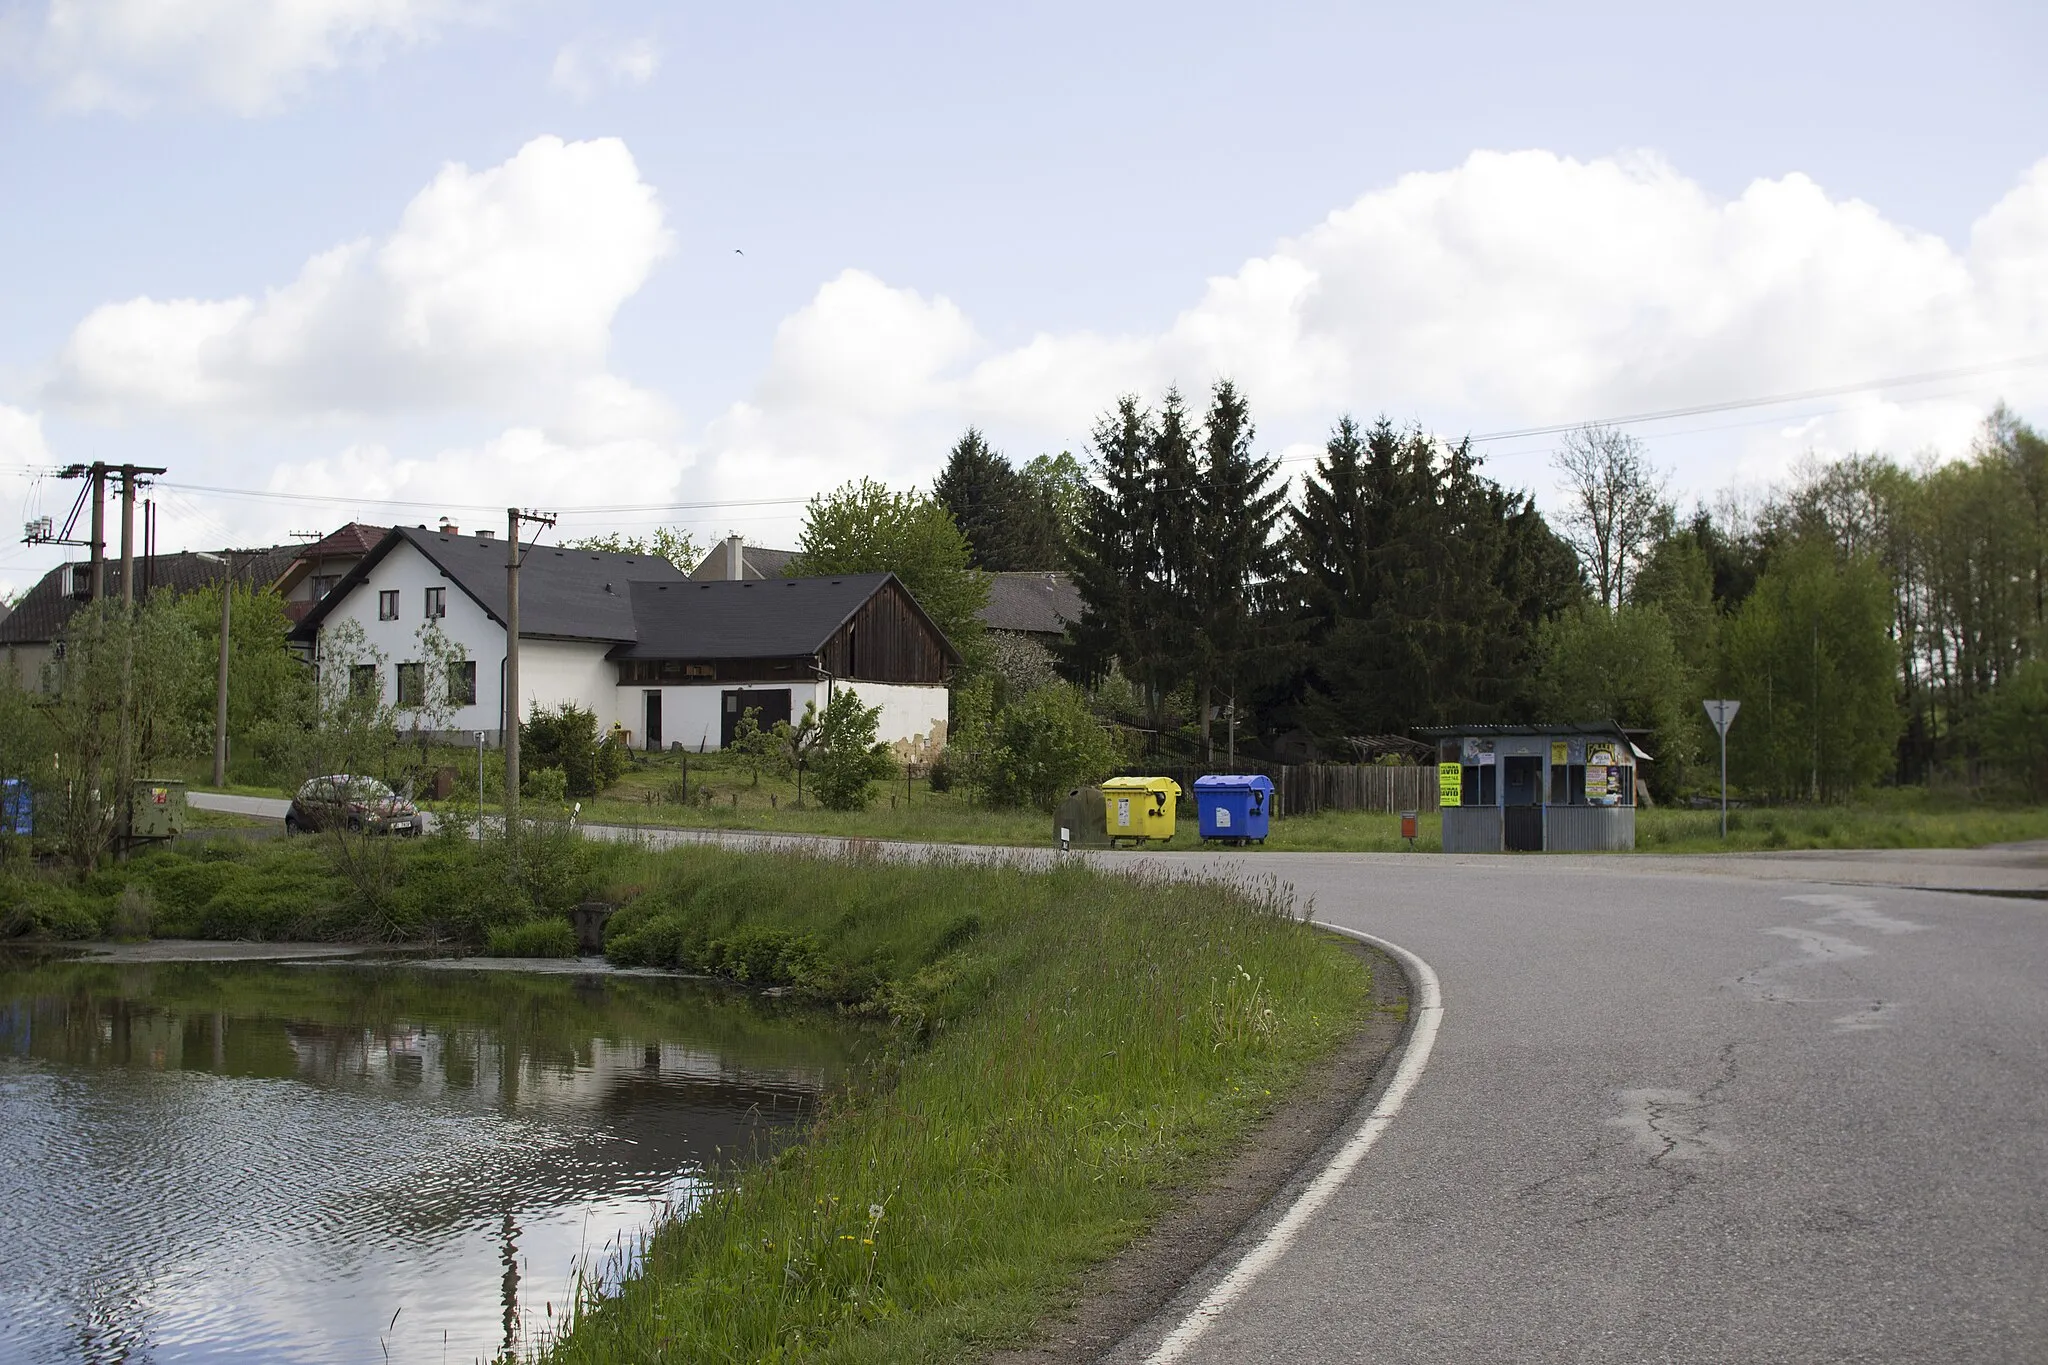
(449, 528)
(484, 534)
(735, 559)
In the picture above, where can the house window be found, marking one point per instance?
(387, 605)
(437, 603)
(412, 684)
(324, 584)
(362, 680)
(462, 682)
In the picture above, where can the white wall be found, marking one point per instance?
(554, 671)
(913, 718)
(550, 671)
(466, 624)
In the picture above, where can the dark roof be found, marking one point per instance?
(1576, 727)
(776, 618)
(563, 594)
(41, 614)
(1033, 603)
(756, 561)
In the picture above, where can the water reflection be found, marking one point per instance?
(230, 1162)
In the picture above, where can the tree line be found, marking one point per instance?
(1880, 620)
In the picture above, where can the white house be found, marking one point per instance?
(672, 661)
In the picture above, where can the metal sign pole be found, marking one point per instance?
(1722, 713)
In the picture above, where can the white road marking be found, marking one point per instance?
(1426, 1014)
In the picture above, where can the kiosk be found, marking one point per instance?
(1537, 788)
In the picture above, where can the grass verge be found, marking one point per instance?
(1070, 1047)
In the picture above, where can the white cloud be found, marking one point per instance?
(1516, 289)
(587, 66)
(248, 56)
(497, 289)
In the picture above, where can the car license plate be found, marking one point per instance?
(401, 824)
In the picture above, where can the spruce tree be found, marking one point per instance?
(1114, 546)
(1236, 511)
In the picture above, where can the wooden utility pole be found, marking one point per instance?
(513, 516)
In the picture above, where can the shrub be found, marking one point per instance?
(134, 914)
(849, 761)
(567, 738)
(1031, 751)
(535, 938)
(40, 909)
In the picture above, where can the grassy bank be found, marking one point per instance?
(1070, 1047)
(444, 889)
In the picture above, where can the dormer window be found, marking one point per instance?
(437, 603)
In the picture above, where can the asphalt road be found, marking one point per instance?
(1777, 1109)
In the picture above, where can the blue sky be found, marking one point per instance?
(482, 252)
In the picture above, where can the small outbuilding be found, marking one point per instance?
(1536, 788)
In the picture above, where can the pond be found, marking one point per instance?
(344, 1160)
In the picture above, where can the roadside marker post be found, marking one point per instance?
(1722, 713)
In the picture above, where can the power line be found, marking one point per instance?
(1734, 404)
(1738, 404)
(345, 500)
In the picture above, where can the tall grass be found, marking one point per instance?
(1069, 1047)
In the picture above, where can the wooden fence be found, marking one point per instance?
(1306, 788)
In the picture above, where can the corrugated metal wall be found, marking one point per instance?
(1588, 829)
(1472, 829)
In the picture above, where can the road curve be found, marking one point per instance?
(1681, 1110)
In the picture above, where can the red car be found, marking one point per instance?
(356, 804)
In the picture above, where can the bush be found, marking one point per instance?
(1031, 751)
(134, 914)
(567, 738)
(535, 938)
(40, 909)
(849, 761)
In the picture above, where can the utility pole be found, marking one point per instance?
(98, 474)
(127, 535)
(513, 516)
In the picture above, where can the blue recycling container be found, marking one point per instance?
(17, 807)
(1234, 807)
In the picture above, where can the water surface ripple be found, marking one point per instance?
(279, 1162)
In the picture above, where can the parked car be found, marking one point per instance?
(343, 801)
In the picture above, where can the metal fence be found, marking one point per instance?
(1306, 788)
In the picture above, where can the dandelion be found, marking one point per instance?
(875, 1212)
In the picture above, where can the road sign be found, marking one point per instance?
(1722, 713)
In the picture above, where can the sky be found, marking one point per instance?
(392, 260)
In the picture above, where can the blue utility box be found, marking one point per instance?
(1234, 807)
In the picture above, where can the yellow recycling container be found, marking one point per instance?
(1139, 808)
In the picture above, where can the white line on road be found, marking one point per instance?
(1427, 1014)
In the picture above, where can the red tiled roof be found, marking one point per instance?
(352, 539)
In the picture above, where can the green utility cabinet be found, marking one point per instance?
(158, 809)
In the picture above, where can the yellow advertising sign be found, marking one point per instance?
(1450, 784)
(1560, 753)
